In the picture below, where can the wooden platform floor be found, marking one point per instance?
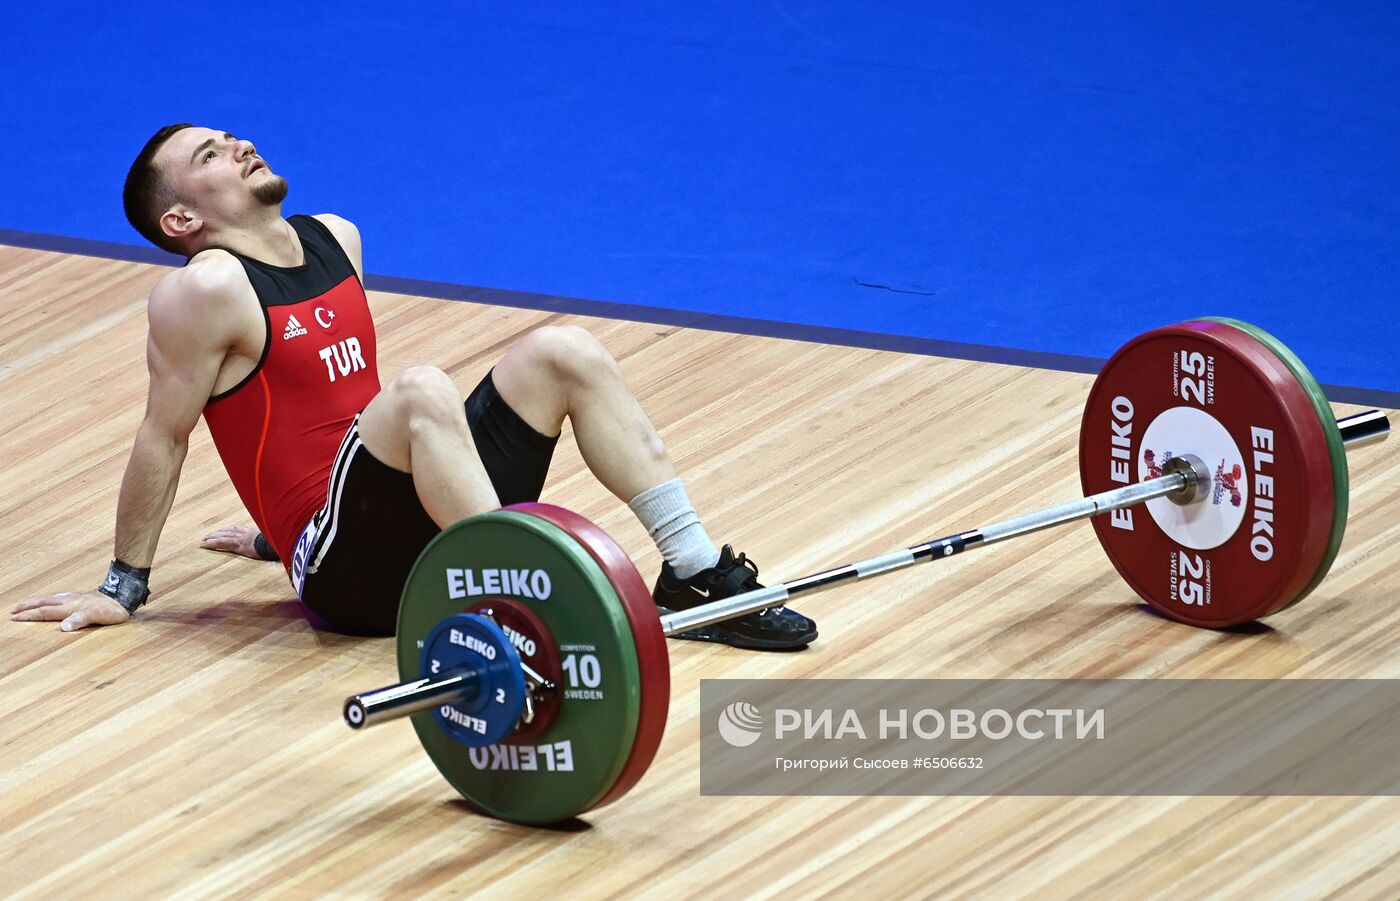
(199, 751)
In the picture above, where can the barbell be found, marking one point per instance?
(535, 663)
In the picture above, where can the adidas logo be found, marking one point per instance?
(294, 329)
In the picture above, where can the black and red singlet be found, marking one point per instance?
(278, 429)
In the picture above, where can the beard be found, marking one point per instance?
(270, 191)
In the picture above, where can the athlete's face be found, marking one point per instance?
(218, 177)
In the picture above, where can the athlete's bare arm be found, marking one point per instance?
(239, 539)
(203, 338)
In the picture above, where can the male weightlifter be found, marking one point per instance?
(267, 332)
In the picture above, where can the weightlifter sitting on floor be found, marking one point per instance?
(267, 332)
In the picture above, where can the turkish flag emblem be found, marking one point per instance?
(326, 318)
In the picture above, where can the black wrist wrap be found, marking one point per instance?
(264, 550)
(127, 585)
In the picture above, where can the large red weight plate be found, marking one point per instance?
(652, 657)
(1258, 538)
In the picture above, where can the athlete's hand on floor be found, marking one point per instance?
(233, 540)
(75, 609)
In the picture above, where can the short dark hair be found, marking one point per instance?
(147, 193)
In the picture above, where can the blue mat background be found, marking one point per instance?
(1041, 178)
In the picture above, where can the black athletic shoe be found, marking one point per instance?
(772, 629)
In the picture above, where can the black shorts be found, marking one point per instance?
(353, 558)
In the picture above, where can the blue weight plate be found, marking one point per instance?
(471, 641)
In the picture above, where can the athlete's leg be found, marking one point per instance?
(416, 425)
(556, 372)
(559, 371)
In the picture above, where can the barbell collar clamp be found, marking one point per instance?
(1197, 475)
(537, 689)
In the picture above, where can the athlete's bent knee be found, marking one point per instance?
(572, 353)
(426, 391)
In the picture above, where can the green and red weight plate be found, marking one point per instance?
(574, 605)
(653, 658)
(1270, 526)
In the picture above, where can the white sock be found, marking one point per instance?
(667, 515)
